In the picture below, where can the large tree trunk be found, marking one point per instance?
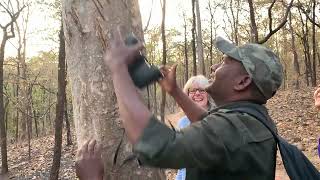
(88, 26)
(54, 172)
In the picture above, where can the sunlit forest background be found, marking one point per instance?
(36, 88)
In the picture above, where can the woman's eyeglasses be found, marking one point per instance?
(193, 91)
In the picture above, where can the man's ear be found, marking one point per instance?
(242, 82)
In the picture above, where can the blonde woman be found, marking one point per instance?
(195, 89)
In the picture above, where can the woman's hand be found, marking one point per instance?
(316, 97)
(168, 82)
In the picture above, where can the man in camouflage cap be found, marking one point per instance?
(261, 64)
(224, 144)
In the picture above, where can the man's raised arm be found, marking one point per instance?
(133, 112)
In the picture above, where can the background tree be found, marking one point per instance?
(8, 33)
(60, 108)
(199, 40)
(164, 56)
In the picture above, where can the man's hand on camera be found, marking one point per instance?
(89, 165)
(119, 55)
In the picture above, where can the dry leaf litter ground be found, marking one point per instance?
(292, 110)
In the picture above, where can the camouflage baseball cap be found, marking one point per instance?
(262, 65)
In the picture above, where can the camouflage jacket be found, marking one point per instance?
(224, 145)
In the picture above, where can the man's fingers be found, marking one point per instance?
(84, 148)
(79, 154)
(174, 68)
(91, 145)
(97, 150)
(117, 39)
(316, 93)
(164, 70)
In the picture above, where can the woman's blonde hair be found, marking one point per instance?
(200, 80)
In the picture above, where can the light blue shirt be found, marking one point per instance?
(182, 123)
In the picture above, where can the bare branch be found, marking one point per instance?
(284, 21)
(269, 14)
(299, 6)
(146, 27)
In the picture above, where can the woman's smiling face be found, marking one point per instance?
(198, 95)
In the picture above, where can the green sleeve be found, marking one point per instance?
(195, 146)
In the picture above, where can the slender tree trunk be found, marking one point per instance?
(305, 47)
(88, 26)
(35, 116)
(155, 103)
(254, 29)
(29, 133)
(295, 63)
(314, 44)
(199, 40)
(186, 61)
(193, 41)
(17, 97)
(211, 35)
(148, 97)
(164, 58)
(66, 117)
(4, 167)
(54, 172)
(23, 95)
(6, 105)
(48, 116)
(44, 118)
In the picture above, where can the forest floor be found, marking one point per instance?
(292, 110)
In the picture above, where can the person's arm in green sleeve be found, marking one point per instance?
(195, 146)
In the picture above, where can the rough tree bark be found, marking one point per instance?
(88, 29)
